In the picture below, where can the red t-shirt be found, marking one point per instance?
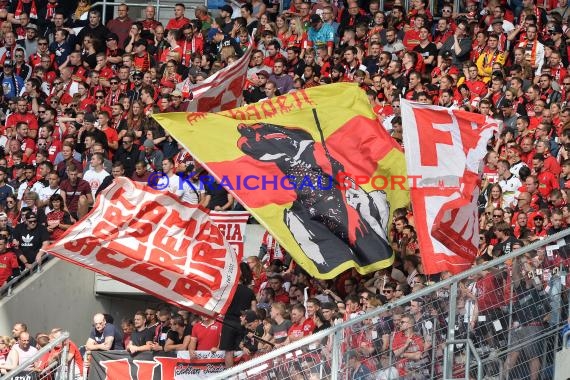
(489, 294)
(207, 336)
(400, 341)
(282, 297)
(27, 117)
(8, 262)
(177, 24)
(73, 192)
(299, 330)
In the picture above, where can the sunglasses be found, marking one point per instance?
(114, 82)
(99, 97)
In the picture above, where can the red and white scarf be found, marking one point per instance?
(20, 8)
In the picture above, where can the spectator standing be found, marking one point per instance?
(8, 262)
(19, 353)
(141, 338)
(78, 196)
(178, 338)
(205, 336)
(179, 19)
(232, 330)
(97, 174)
(30, 238)
(121, 24)
(104, 336)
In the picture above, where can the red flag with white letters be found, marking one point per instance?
(153, 241)
(444, 150)
(223, 90)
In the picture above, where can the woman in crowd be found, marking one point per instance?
(58, 220)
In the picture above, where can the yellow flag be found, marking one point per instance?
(315, 167)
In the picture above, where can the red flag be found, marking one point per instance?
(444, 149)
(223, 90)
(151, 240)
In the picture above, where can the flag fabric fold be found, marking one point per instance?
(151, 240)
(223, 90)
(444, 149)
(314, 167)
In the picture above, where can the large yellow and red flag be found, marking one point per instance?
(314, 167)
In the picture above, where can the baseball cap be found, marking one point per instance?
(8, 63)
(497, 21)
(328, 306)
(148, 143)
(264, 73)
(227, 8)
(176, 93)
(398, 46)
(446, 54)
(31, 216)
(506, 103)
(315, 19)
(137, 74)
(112, 36)
(32, 26)
(250, 316)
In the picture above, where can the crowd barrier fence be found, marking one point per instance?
(503, 319)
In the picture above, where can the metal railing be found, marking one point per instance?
(58, 370)
(7, 289)
(448, 338)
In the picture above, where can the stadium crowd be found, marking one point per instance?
(76, 99)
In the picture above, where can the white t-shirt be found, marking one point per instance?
(95, 179)
(181, 188)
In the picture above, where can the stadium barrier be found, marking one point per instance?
(7, 289)
(502, 319)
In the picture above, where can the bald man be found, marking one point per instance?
(104, 336)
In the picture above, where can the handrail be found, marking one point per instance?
(400, 302)
(565, 339)
(7, 287)
(47, 348)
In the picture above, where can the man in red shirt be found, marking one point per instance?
(546, 180)
(179, 20)
(276, 283)
(550, 163)
(8, 262)
(150, 23)
(22, 115)
(301, 326)
(27, 144)
(407, 346)
(205, 336)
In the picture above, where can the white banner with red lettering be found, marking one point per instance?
(151, 240)
(223, 90)
(444, 149)
(232, 225)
